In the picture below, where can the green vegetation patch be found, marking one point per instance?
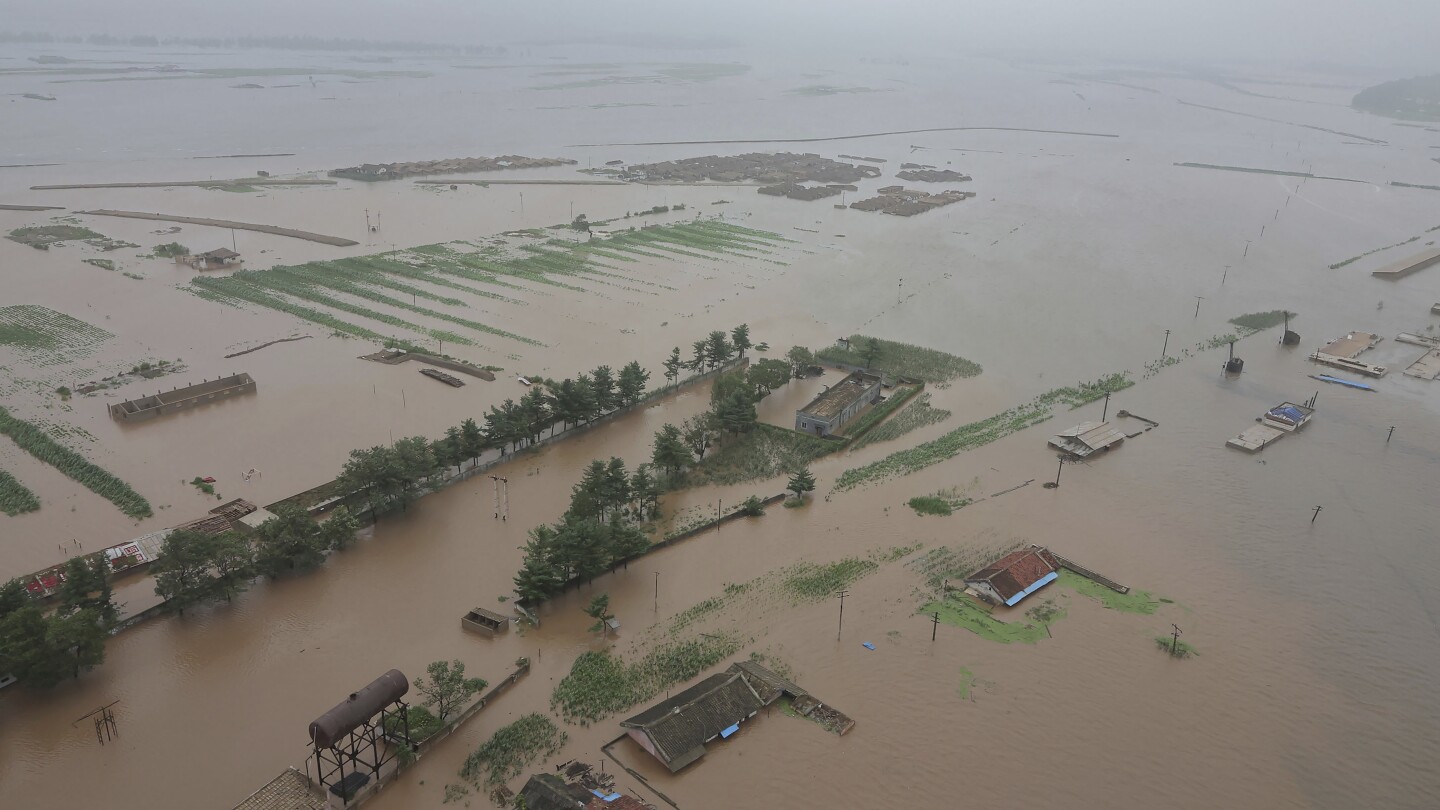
(967, 683)
(807, 581)
(877, 414)
(1258, 321)
(961, 611)
(765, 452)
(1132, 602)
(423, 723)
(15, 497)
(941, 503)
(917, 414)
(1175, 647)
(43, 236)
(37, 443)
(444, 274)
(901, 359)
(601, 684)
(978, 434)
(508, 751)
(103, 264)
(46, 337)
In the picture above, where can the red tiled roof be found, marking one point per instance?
(1016, 571)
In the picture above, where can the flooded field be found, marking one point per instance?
(1080, 257)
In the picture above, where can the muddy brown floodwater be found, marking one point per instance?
(1318, 641)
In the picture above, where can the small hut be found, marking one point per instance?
(220, 258)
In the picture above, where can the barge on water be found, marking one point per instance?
(1341, 353)
(1283, 419)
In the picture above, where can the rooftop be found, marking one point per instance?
(288, 791)
(680, 726)
(839, 396)
(1012, 574)
(221, 253)
(546, 791)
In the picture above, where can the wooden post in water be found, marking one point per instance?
(1317, 513)
(1165, 347)
(1391, 433)
(934, 625)
(1175, 641)
(1106, 409)
(841, 626)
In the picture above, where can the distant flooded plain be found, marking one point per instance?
(1316, 640)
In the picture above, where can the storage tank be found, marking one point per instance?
(333, 725)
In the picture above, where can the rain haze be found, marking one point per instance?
(665, 405)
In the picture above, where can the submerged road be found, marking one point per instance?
(226, 223)
(854, 137)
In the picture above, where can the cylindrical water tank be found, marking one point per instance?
(333, 725)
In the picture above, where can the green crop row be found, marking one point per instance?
(34, 441)
(15, 497)
(601, 684)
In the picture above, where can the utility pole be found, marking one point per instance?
(105, 728)
(934, 624)
(1224, 275)
(1317, 513)
(657, 591)
(1391, 433)
(900, 292)
(841, 595)
(1198, 299)
(501, 508)
(1106, 410)
(1058, 469)
(1166, 347)
(1175, 640)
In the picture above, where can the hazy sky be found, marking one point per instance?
(1384, 33)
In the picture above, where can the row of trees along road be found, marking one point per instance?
(41, 650)
(601, 527)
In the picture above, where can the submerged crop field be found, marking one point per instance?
(448, 275)
(45, 337)
(37, 443)
(15, 497)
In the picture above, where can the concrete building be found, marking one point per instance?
(837, 405)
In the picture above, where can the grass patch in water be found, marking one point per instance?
(917, 414)
(960, 611)
(601, 684)
(978, 434)
(508, 751)
(1175, 649)
(902, 359)
(15, 497)
(967, 683)
(1132, 602)
(1257, 321)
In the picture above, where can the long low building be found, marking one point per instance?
(138, 410)
(1087, 438)
(838, 404)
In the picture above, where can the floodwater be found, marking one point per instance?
(1318, 641)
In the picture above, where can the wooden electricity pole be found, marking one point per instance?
(841, 626)
(1175, 641)
(934, 624)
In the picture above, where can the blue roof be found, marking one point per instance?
(1039, 583)
(731, 730)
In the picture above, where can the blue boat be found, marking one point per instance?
(1347, 383)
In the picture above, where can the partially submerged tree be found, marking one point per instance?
(338, 531)
(801, 482)
(86, 588)
(290, 541)
(448, 689)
